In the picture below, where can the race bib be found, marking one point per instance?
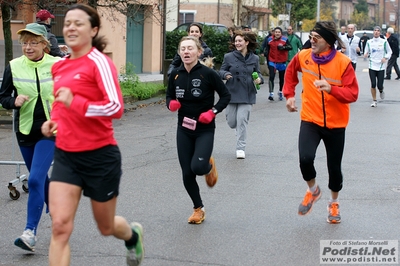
(189, 123)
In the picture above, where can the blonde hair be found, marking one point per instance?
(191, 38)
(27, 36)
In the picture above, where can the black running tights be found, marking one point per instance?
(309, 138)
(194, 152)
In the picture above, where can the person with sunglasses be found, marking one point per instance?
(329, 86)
(27, 88)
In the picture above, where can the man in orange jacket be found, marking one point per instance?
(329, 86)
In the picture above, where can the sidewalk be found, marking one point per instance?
(150, 77)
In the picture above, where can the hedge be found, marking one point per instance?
(217, 41)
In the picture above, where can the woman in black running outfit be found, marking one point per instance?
(191, 90)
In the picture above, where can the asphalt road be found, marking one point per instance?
(252, 211)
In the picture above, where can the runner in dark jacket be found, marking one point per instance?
(196, 30)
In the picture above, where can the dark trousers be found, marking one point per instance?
(309, 138)
(272, 78)
(392, 63)
(194, 152)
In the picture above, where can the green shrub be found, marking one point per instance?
(132, 87)
(172, 41)
(217, 41)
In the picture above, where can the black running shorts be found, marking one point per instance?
(97, 172)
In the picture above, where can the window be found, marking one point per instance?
(186, 16)
(16, 14)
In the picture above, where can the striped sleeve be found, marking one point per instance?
(108, 84)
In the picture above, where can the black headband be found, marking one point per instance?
(327, 35)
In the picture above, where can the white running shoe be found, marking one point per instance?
(382, 94)
(27, 241)
(374, 104)
(240, 154)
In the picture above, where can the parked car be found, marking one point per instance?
(218, 27)
(360, 33)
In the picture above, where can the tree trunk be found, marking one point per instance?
(8, 43)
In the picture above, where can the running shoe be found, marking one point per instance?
(26, 241)
(135, 254)
(382, 94)
(198, 216)
(308, 201)
(240, 154)
(333, 213)
(212, 176)
(374, 104)
(271, 96)
(280, 96)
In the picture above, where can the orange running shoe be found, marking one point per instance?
(333, 213)
(198, 216)
(308, 201)
(212, 176)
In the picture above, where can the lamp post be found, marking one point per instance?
(288, 7)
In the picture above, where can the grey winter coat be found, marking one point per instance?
(241, 85)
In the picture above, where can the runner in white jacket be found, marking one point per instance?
(378, 50)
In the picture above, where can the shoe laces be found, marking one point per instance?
(307, 198)
(334, 209)
(28, 233)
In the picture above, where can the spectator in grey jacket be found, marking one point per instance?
(196, 30)
(237, 68)
(43, 17)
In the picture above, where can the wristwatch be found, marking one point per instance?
(215, 111)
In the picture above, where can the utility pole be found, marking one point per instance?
(289, 7)
(318, 9)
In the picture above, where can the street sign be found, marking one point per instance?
(283, 17)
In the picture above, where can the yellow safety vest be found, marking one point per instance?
(26, 74)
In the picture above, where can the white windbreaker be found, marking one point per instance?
(377, 48)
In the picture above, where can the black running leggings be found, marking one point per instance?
(194, 152)
(309, 138)
(272, 78)
(377, 75)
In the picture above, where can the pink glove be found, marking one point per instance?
(206, 117)
(174, 105)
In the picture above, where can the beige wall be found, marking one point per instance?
(152, 47)
(208, 12)
(115, 32)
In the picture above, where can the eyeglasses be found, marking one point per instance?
(31, 44)
(314, 38)
(289, 29)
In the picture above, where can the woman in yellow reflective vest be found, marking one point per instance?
(27, 87)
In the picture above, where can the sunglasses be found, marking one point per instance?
(314, 38)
